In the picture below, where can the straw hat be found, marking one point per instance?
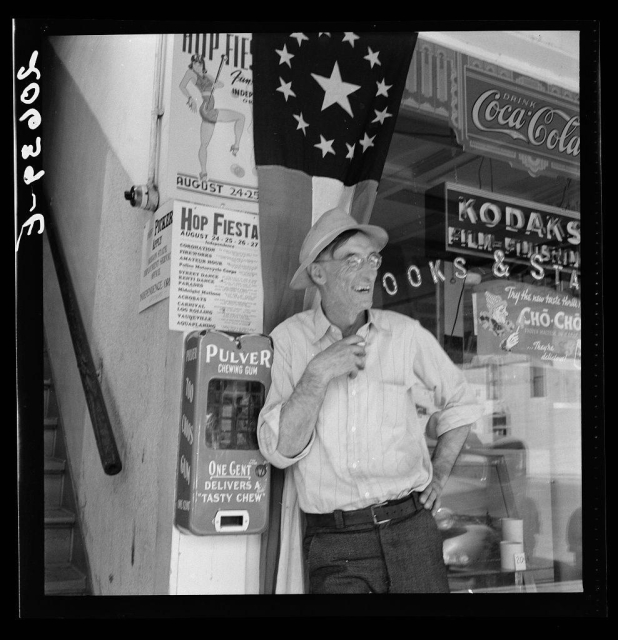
(331, 224)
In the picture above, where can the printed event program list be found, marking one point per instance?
(216, 280)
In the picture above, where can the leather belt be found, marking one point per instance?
(374, 514)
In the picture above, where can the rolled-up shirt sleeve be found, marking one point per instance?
(456, 402)
(269, 421)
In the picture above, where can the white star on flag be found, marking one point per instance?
(284, 56)
(372, 57)
(350, 153)
(350, 37)
(383, 88)
(301, 122)
(367, 142)
(299, 37)
(381, 116)
(325, 146)
(286, 89)
(335, 90)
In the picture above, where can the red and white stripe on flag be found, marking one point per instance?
(324, 112)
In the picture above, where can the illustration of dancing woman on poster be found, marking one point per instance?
(206, 85)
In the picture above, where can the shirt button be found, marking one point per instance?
(353, 429)
(366, 494)
(354, 465)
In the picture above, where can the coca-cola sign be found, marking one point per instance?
(520, 124)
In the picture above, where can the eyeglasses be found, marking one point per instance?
(354, 263)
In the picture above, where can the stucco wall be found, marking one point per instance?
(97, 104)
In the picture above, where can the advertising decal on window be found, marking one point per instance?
(522, 318)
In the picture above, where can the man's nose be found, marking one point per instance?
(369, 272)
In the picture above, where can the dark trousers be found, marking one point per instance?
(403, 555)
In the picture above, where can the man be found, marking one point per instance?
(341, 410)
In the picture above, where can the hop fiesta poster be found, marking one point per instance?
(523, 318)
(210, 154)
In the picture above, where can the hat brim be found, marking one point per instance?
(301, 279)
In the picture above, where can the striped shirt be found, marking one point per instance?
(368, 444)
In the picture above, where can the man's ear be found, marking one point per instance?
(316, 273)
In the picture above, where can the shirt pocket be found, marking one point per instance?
(389, 406)
(392, 430)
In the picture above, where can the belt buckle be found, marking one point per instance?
(373, 515)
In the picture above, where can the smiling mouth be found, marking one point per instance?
(362, 289)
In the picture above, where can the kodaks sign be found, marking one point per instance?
(481, 223)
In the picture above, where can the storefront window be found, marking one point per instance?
(511, 321)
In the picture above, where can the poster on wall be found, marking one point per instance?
(210, 151)
(522, 318)
(156, 255)
(216, 274)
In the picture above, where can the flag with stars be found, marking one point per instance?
(324, 112)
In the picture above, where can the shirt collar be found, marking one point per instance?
(321, 324)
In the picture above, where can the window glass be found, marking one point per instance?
(517, 338)
(232, 409)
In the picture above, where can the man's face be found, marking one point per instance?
(348, 290)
